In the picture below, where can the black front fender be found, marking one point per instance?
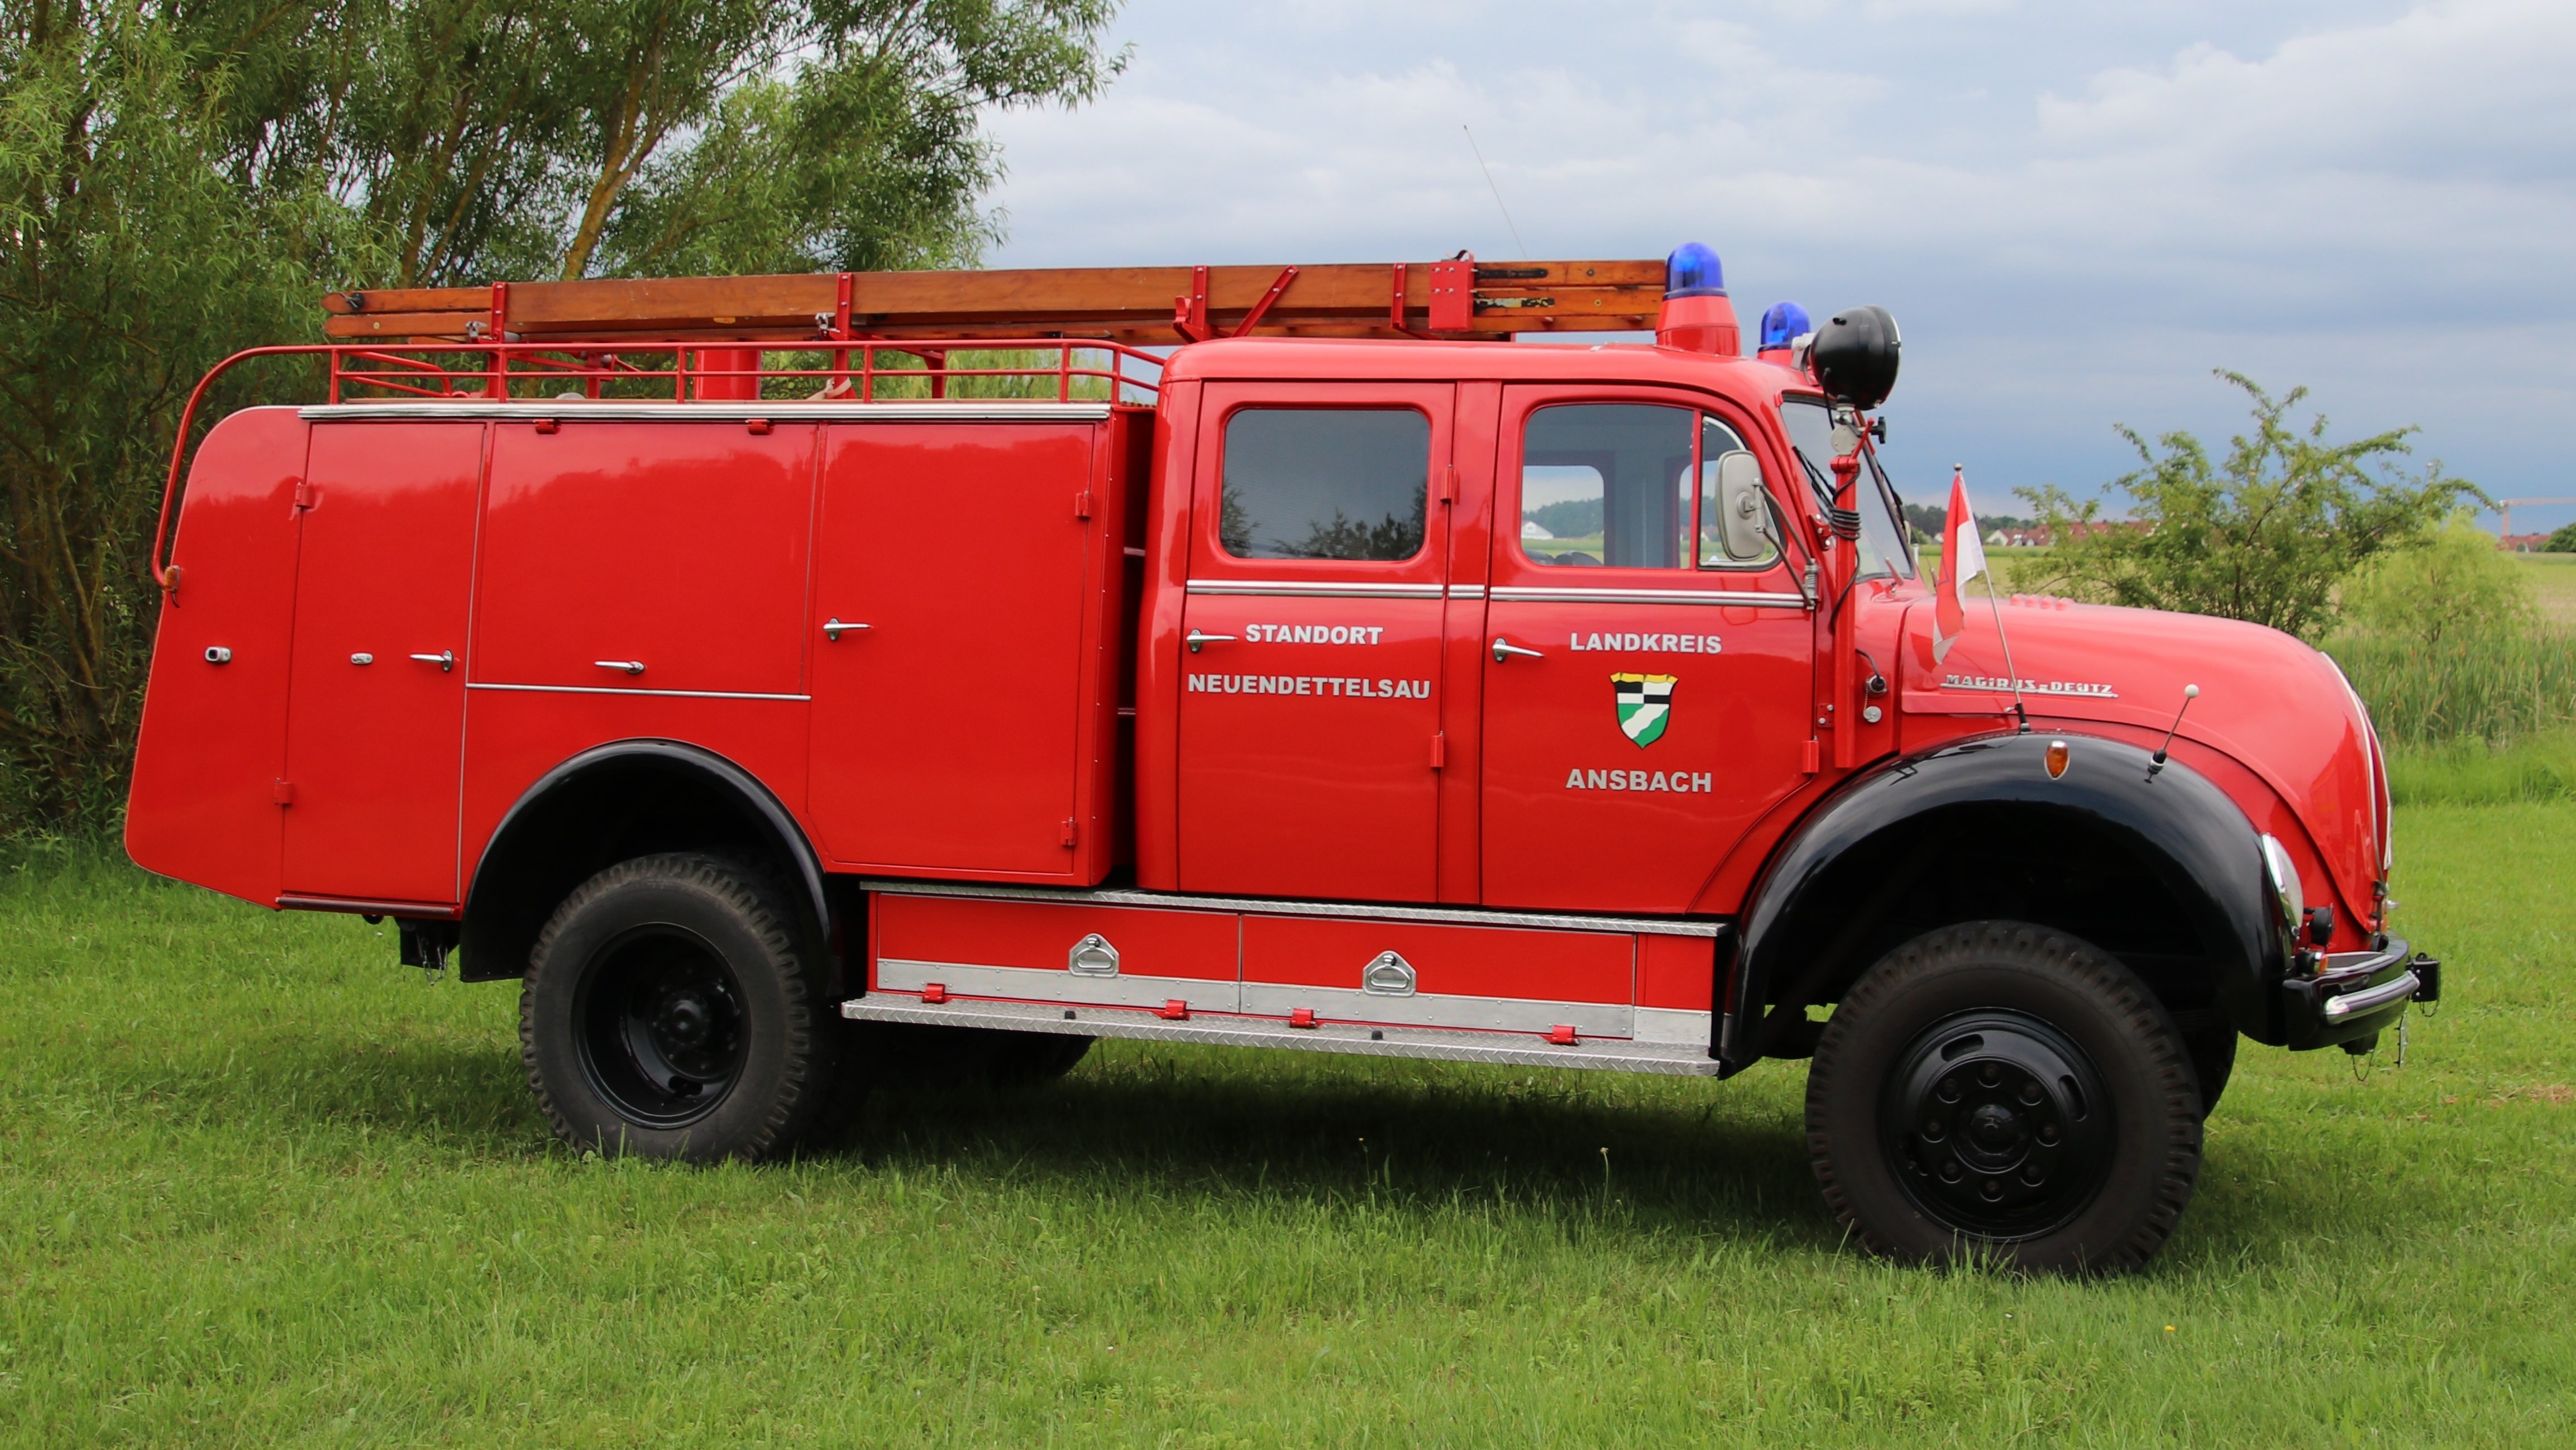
(2197, 843)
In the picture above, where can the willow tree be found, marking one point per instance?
(178, 181)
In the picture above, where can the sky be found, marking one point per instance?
(2076, 210)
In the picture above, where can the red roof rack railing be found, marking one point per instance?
(980, 369)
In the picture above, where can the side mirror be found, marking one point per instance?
(1856, 355)
(1743, 509)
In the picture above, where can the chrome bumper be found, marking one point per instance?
(2355, 994)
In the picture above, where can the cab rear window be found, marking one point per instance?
(1325, 483)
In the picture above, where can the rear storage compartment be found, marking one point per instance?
(907, 621)
(209, 766)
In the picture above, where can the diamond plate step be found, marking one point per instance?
(1512, 1049)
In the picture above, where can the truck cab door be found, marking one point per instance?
(375, 716)
(1646, 693)
(1309, 747)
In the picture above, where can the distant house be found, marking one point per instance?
(2038, 536)
(2524, 543)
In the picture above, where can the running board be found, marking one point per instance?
(1509, 1049)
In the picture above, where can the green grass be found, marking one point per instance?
(2472, 773)
(2494, 687)
(258, 1185)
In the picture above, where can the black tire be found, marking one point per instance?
(2210, 1039)
(2000, 1091)
(672, 1010)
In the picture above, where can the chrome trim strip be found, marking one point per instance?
(776, 410)
(2342, 966)
(1511, 1049)
(1301, 589)
(2370, 999)
(1048, 984)
(1172, 900)
(1466, 591)
(1431, 1009)
(614, 690)
(1742, 598)
(1682, 1029)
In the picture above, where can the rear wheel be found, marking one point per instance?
(2000, 1090)
(671, 1010)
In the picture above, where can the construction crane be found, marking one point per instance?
(2505, 508)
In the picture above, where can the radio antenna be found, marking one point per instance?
(2157, 761)
(1498, 191)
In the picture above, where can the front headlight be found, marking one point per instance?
(2289, 897)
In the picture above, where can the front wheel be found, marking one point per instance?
(1997, 1090)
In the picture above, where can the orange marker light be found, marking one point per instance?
(2057, 760)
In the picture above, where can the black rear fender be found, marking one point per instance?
(613, 803)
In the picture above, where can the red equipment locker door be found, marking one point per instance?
(627, 557)
(1310, 702)
(1645, 696)
(948, 624)
(375, 715)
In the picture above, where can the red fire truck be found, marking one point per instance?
(782, 678)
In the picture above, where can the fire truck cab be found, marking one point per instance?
(792, 707)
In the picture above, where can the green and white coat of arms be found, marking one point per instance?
(1645, 706)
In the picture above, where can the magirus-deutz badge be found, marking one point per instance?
(1645, 705)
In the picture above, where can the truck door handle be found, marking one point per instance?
(632, 667)
(445, 660)
(1196, 639)
(1504, 649)
(832, 629)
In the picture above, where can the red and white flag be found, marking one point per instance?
(1962, 558)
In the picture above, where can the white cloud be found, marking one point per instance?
(2077, 214)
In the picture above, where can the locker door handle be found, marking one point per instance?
(1504, 649)
(1196, 639)
(445, 660)
(832, 629)
(632, 667)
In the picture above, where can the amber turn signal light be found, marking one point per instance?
(2056, 760)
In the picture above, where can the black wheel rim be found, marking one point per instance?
(1997, 1126)
(660, 1024)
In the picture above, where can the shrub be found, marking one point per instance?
(2268, 533)
(2454, 584)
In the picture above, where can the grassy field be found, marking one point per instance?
(259, 1185)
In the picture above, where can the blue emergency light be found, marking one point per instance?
(1693, 271)
(1783, 325)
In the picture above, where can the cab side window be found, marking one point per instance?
(1607, 484)
(1325, 483)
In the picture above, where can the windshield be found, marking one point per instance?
(1884, 546)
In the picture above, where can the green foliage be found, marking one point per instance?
(2562, 541)
(2495, 687)
(2455, 584)
(1573, 518)
(177, 183)
(140, 244)
(2267, 533)
(2473, 773)
(264, 1187)
(653, 137)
